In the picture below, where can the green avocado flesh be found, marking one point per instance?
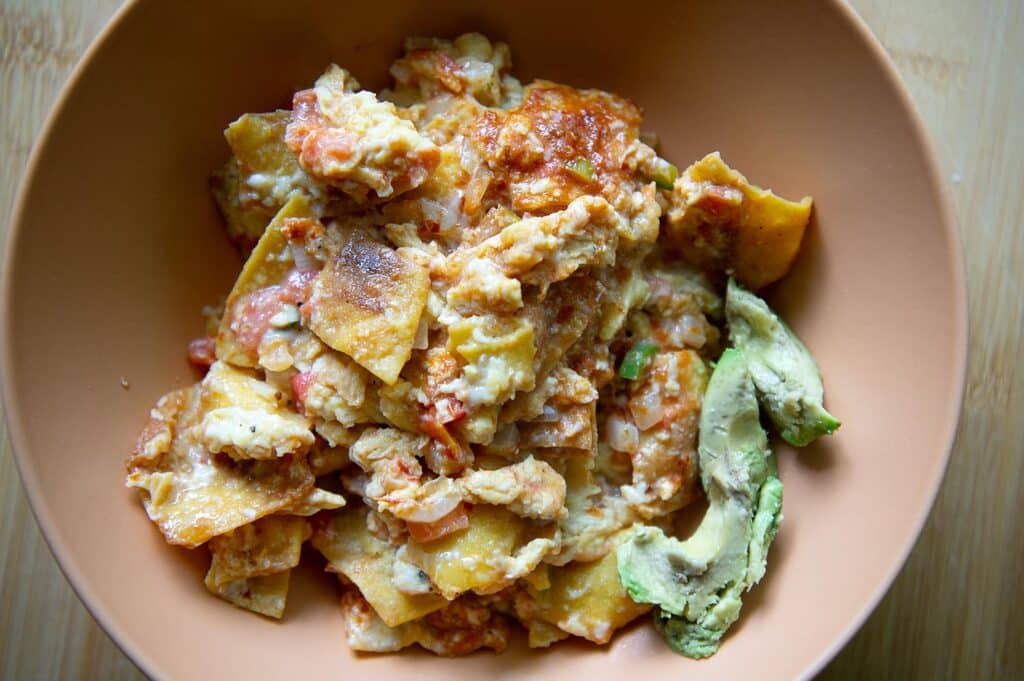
(697, 584)
(783, 370)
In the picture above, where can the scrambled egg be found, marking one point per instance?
(355, 142)
(468, 348)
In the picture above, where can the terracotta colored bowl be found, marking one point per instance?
(116, 245)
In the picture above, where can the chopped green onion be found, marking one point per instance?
(581, 168)
(637, 359)
(665, 176)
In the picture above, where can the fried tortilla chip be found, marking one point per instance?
(267, 546)
(367, 302)
(247, 418)
(193, 495)
(353, 551)
(269, 264)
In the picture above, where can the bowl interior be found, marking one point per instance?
(117, 245)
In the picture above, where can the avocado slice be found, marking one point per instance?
(697, 584)
(784, 372)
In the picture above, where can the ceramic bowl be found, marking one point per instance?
(115, 245)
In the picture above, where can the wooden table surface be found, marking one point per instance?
(956, 609)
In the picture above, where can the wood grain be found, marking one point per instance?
(955, 610)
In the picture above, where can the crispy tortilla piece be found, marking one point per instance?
(460, 628)
(315, 501)
(353, 551)
(263, 595)
(723, 223)
(499, 353)
(269, 264)
(586, 599)
(192, 495)
(269, 545)
(259, 177)
(257, 141)
(559, 320)
(244, 221)
(496, 549)
(367, 302)
(251, 565)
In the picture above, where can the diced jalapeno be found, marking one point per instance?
(581, 168)
(665, 176)
(637, 359)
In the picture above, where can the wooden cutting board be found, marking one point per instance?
(957, 609)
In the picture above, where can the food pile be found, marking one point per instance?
(471, 359)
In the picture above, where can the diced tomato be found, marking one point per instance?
(202, 352)
(297, 229)
(305, 118)
(457, 519)
(437, 430)
(251, 315)
(448, 410)
(300, 386)
(716, 201)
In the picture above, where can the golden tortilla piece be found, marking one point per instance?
(499, 354)
(353, 551)
(264, 547)
(247, 418)
(192, 495)
(496, 549)
(257, 141)
(587, 599)
(367, 302)
(268, 264)
(259, 177)
(315, 501)
(460, 628)
(559, 321)
(724, 223)
(262, 595)
(244, 221)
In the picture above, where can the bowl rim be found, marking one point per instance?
(125, 641)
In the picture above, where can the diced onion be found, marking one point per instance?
(453, 214)
(622, 435)
(506, 438)
(422, 331)
(548, 415)
(303, 261)
(688, 331)
(436, 499)
(647, 409)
